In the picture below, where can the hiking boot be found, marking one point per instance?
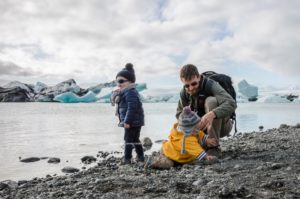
(140, 159)
(125, 162)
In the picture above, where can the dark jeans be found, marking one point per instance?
(132, 140)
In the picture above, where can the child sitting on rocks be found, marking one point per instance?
(186, 143)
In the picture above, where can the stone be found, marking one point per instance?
(276, 166)
(69, 170)
(31, 159)
(147, 142)
(54, 160)
(88, 159)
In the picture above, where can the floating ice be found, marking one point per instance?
(70, 97)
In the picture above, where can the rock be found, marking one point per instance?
(31, 159)
(283, 126)
(20, 182)
(198, 182)
(277, 165)
(12, 185)
(225, 193)
(261, 128)
(88, 159)
(103, 154)
(288, 169)
(147, 142)
(69, 170)
(3, 186)
(237, 166)
(54, 160)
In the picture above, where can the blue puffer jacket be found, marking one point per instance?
(130, 109)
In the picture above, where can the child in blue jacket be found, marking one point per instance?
(130, 112)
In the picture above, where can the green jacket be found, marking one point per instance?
(226, 104)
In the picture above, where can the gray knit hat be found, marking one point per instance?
(187, 121)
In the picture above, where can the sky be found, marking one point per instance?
(91, 41)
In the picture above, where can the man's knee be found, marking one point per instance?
(210, 103)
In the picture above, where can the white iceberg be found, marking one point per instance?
(39, 86)
(248, 90)
(273, 99)
(13, 84)
(104, 95)
(160, 95)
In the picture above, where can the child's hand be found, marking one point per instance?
(211, 142)
(126, 126)
(210, 157)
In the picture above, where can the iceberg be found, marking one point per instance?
(39, 86)
(104, 95)
(70, 97)
(248, 90)
(273, 99)
(16, 91)
(160, 95)
(296, 101)
(13, 84)
(98, 88)
(48, 94)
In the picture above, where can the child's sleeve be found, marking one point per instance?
(132, 103)
(202, 138)
(194, 148)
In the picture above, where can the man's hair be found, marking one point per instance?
(188, 71)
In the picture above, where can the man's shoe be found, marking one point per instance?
(216, 151)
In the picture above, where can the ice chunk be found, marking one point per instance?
(247, 90)
(273, 99)
(39, 86)
(70, 97)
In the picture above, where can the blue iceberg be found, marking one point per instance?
(70, 97)
(105, 93)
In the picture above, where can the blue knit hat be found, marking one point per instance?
(187, 121)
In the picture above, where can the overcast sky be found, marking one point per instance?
(91, 40)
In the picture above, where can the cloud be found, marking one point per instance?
(92, 40)
(9, 68)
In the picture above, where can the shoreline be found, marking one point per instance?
(253, 165)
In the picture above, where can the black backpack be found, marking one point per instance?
(226, 82)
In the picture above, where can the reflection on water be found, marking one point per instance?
(70, 131)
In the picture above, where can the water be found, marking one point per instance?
(70, 131)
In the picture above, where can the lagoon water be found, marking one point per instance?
(70, 131)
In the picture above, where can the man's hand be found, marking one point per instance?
(126, 126)
(207, 120)
(211, 142)
(210, 157)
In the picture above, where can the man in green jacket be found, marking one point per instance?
(208, 99)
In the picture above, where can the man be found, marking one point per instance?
(208, 99)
